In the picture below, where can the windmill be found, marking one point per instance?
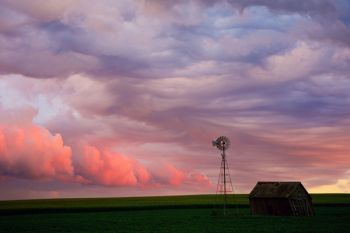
(224, 186)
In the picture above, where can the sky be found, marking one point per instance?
(123, 97)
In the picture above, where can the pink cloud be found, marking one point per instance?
(169, 174)
(202, 179)
(165, 174)
(109, 168)
(31, 151)
(104, 167)
(175, 176)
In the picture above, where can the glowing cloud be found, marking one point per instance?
(111, 169)
(30, 151)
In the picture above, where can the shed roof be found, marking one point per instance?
(276, 189)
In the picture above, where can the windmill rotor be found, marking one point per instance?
(222, 143)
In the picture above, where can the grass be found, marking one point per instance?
(164, 214)
(120, 201)
(340, 198)
(100, 204)
(147, 202)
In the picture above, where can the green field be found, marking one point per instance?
(165, 214)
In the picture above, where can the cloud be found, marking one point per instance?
(103, 167)
(313, 7)
(128, 83)
(171, 175)
(269, 126)
(199, 178)
(139, 43)
(39, 10)
(110, 169)
(340, 186)
(30, 151)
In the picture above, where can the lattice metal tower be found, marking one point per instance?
(224, 186)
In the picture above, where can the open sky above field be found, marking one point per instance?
(123, 98)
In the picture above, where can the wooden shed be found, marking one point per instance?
(280, 198)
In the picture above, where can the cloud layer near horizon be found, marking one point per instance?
(130, 93)
(29, 151)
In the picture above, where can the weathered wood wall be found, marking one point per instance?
(281, 206)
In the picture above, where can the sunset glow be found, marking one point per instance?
(123, 98)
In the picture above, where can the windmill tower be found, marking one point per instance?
(224, 186)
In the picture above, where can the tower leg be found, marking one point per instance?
(225, 198)
(224, 186)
